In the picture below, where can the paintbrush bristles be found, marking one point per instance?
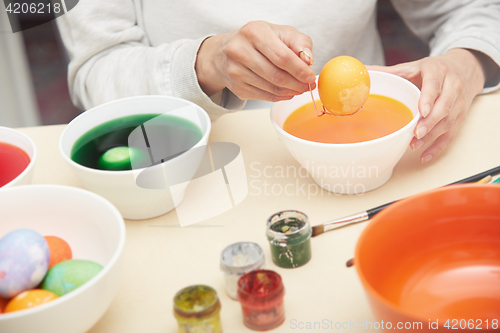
(318, 230)
(349, 263)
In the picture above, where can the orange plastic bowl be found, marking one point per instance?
(434, 259)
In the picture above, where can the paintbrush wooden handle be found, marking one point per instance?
(361, 217)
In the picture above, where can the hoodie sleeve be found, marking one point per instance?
(449, 24)
(110, 58)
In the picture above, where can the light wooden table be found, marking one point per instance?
(161, 257)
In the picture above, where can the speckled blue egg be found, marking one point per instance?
(24, 261)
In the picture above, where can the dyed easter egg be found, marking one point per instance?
(70, 275)
(24, 261)
(343, 85)
(122, 158)
(29, 299)
(3, 303)
(59, 250)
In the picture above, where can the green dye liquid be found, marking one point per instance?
(170, 135)
(295, 251)
(287, 225)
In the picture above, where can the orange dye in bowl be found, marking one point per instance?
(380, 116)
(13, 161)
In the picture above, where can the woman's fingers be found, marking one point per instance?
(448, 84)
(275, 77)
(442, 127)
(257, 56)
(438, 146)
(408, 70)
(425, 74)
(246, 77)
(443, 132)
(404, 70)
(306, 56)
(275, 43)
(442, 105)
(442, 109)
(245, 65)
(299, 43)
(250, 90)
(433, 77)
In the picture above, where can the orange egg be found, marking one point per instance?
(59, 250)
(29, 299)
(3, 303)
(343, 85)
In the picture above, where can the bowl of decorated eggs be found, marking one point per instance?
(357, 129)
(140, 152)
(17, 158)
(60, 258)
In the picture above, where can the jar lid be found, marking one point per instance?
(260, 285)
(196, 301)
(241, 257)
(288, 224)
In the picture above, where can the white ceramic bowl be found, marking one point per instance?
(352, 168)
(120, 187)
(21, 140)
(93, 228)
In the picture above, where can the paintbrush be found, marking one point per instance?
(483, 177)
(486, 180)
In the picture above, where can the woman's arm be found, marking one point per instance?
(111, 58)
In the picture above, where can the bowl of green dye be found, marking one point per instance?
(140, 153)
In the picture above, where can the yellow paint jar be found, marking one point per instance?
(197, 310)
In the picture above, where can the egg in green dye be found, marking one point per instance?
(70, 275)
(122, 158)
(169, 136)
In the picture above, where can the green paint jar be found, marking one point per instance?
(197, 310)
(289, 234)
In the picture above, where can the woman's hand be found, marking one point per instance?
(448, 84)
(257, 61)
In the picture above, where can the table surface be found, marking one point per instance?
(162, 258)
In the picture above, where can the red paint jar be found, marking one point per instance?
(261, 294)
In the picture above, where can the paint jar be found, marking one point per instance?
(238, 259)
(289, 234)
(261, 295)
(197, 309)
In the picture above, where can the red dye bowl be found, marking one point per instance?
(17, 158)
(432, 261)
